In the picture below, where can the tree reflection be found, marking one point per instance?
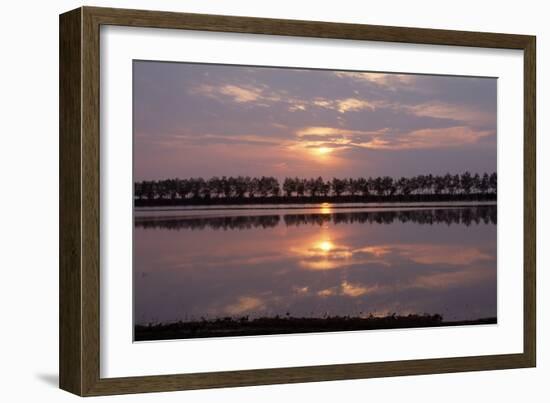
(465, 216)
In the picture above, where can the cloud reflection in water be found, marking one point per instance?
(312, 265)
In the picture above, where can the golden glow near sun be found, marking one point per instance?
(316, 151)
(326, 208)
(325, 246)
(321, 253)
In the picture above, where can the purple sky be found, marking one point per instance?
(205, 120)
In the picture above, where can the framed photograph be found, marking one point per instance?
(249, 201)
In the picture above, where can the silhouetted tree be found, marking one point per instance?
(241, 187)
(289, 186)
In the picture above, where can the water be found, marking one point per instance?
(315, 263)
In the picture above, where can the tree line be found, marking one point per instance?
(245, 187)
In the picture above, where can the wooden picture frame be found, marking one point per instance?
(79, 346)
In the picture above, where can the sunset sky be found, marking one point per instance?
(205, 120)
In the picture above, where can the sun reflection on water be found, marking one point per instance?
(321, 253)
(326, 208)
(325, 246)
(355, 269)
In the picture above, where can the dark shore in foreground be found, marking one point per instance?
(225, 327)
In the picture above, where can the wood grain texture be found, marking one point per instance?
(530, 201)
(317, 29)
(80, 201)
(90, 202)
(70, 275)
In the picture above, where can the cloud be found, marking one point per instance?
(343, 105)
(451, 279)
(376, 250)
(433, 109)
(467, 114)
(354, 104)
(326, 131)
(297, 106)
(347, 289)
(327, 292)
(322, 103)
(442, 254)
(337, 139)
(390, 81)
(328, 255)
(240, 94)
(264, 97)
(355, 290)
(442, 110)
(386, 139)
(429, 254)
(261, 96)
(236, 93)
(245, 304)
(466, 132)
(301, 290)
(204, 139)
(440, 138)
(334, 137)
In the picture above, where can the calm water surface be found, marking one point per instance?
(316, 262)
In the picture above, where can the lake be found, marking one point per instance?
(193, 264)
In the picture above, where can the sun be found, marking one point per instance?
(325, 246)
(323, 150)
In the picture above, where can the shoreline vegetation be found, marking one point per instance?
(224, 327)
(267, 190)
